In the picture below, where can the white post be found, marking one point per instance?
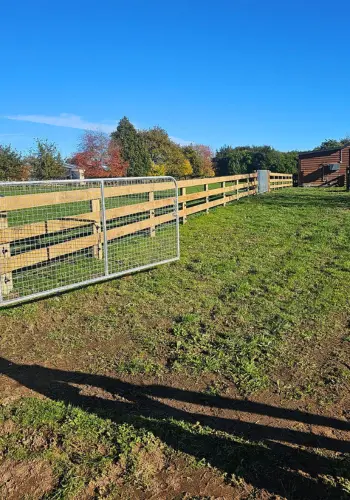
(206, 188)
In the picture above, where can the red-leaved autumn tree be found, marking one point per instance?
(206, 156)
(99, 156)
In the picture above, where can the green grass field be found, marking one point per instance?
(223, 375)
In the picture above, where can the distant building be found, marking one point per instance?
(74, 172)
(326, 167)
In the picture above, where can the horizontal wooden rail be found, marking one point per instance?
(280, 179)
(288, 179)
(215, 180)
(19, 202)
(279, 174)
(277, 186)
(135, 208)
(285, 181)
(135, 227)
(18, 233)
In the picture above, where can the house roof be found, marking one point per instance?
(318, 152)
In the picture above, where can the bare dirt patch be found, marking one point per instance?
(22, 479)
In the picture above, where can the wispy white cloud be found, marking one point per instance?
(75, 121)
(65, 120)
(182, 142)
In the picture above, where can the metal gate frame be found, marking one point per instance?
(107, 274)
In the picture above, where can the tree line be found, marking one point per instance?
(138, 153)
(126, 152)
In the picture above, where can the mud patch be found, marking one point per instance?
(25, 479)
(175, 480)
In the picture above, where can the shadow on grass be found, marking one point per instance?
(275, 459)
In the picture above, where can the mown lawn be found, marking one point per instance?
(223, 375)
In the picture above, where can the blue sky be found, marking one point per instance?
(225, 72)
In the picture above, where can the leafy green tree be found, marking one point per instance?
(265, 158)
(333, 143)
(289, 162)
(193, 157)
(160, 147)
(132, 148)
(179, 167)
(200, 157)
(11, 164)
(46, 161)
(246, 159)
(232, 161)
(329, 144)
(163, 151)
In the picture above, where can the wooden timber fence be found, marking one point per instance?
(278, 180)
(146, 207)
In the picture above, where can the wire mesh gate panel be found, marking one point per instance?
(57, 235)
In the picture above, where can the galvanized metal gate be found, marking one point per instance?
(59, 235)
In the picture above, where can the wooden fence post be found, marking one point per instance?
(268, 181)
(95, 206)
(6, 282)
(206, 188)
(237, 189)
(152, 215)
(184, 207)
(223, 185)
